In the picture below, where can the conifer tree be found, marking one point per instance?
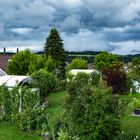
(54, 47)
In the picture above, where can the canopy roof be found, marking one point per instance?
(88, 71)
(13, 80)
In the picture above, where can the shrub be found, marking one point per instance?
(61, 85)
(84, 78)
(116, 79)
(33, 120)
(15, 100)
(125, 136)
(91, 113)
(5, 103)
(22, 107)
(46, 83)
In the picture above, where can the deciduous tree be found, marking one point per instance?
(78, 63)
(19, 63)
(105, 59)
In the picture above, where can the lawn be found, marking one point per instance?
(9, 132)
(131, 124)
(56, 102)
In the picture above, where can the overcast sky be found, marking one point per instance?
(112, 25)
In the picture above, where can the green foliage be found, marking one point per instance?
(5, 103)
(92, 79)
(136, 104)
(54, 48)
(95, 77)
(36, 63)
(113, 72)
(33, 120)
(50, 65)
(10, 132)
(92, 113)
(78, 63)
(61, 85)
(10, 101)
(24, 63)
(46, 82)
(124, 136)
(135, 70)
(104, 59)
(32, 117)
(19, 63)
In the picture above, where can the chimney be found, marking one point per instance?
(17, 50)
(4, 50)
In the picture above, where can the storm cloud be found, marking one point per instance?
(112, 25)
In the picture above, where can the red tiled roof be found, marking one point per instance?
(4, 61)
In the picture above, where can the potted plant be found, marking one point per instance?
(137, 108)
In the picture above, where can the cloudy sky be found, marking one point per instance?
(112, 25)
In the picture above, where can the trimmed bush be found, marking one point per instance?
(46, 83)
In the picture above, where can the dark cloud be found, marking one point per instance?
(84, 24)
(135, 51)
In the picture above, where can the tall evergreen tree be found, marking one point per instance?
(54, 47)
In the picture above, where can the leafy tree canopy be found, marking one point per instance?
(105, 59)
(78, 63)
(19, 63)
(50, 65)
(24, 63)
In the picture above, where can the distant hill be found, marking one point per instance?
(89, 56)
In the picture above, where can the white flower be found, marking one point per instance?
(134, 98)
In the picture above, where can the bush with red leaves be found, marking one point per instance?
(116, 78)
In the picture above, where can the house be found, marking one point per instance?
(4, 58)
(2, 73)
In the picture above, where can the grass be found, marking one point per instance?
(56, 104)
(131, 124)
(9, 132)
